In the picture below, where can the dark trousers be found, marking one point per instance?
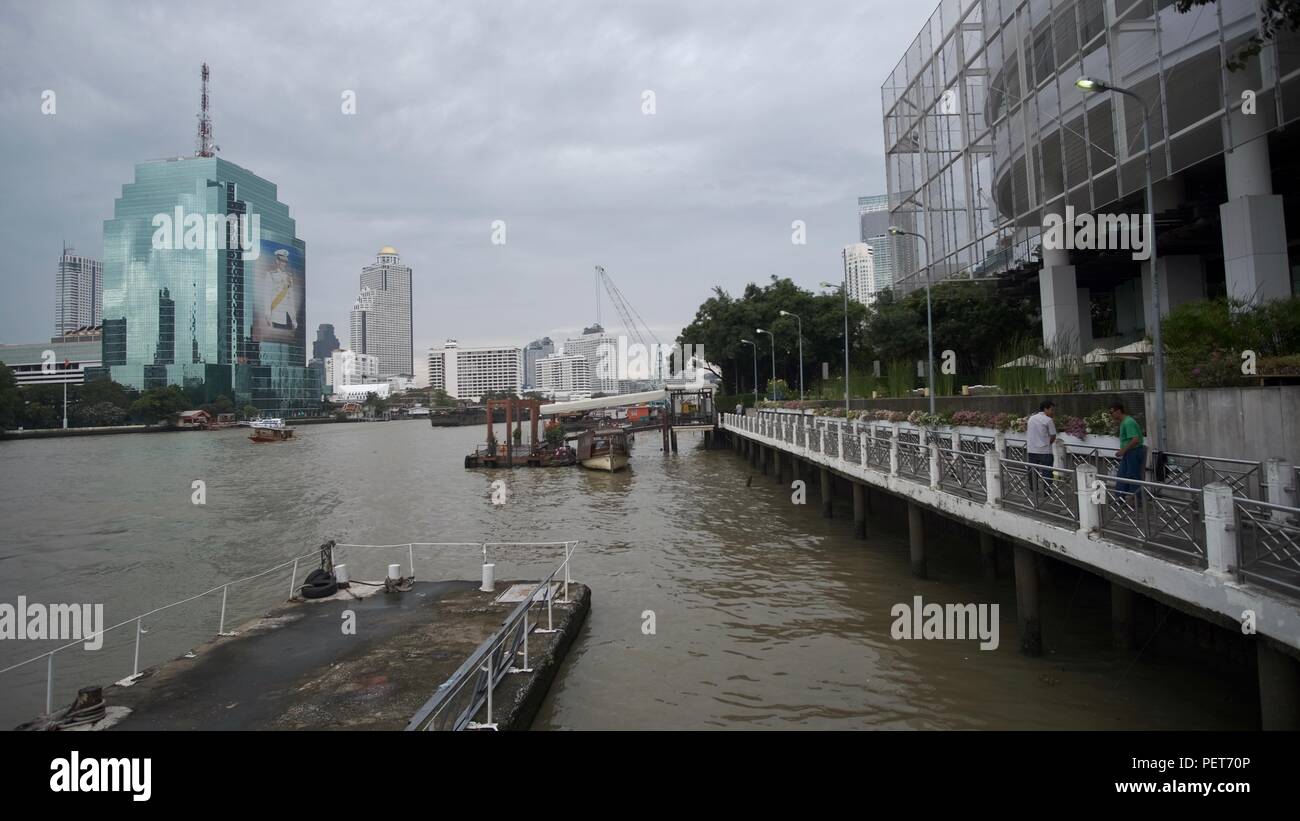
(1131, 465)
(1039, 474)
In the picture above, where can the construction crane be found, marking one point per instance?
(638, 331)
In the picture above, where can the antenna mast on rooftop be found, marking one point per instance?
(203, 144)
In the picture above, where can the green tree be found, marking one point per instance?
(11, 400)
(98, 415)
(106, 390)
(157, 404)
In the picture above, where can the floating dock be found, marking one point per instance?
(297, 668)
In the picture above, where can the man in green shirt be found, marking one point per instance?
(1132, 451)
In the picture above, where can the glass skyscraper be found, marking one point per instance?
(204, 287)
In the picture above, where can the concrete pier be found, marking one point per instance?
(1031, 629)
(827, 489)
(859, 511)
(989, 555)
(1122, 603)
(776, 466)
(294, 669)
(1279, 688)
(916, 539)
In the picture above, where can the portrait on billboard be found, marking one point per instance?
(279, 302)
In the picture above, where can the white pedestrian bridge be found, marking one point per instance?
(1218, 538)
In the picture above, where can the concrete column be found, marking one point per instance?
(993, 478)
(859, 511)
(916, 538)
(1089, 515)
(1058, 295)
(1280, 479)
(1031, 629)
(1254, 223)
(1122, 602)
(989, 555)
(776, 465)
(1084, 300)
(1279, 688)
(753, 453)
(827, 501)
(1182, 279)
(1220, 529)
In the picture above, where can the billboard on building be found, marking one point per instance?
(279, 295)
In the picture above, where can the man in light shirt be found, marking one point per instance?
(1040, 435)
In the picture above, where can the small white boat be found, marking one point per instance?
(603, 450)
(270, 430)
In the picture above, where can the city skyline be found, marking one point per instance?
(591, 181)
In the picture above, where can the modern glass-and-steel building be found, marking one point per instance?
(204, 287)
(987, 135)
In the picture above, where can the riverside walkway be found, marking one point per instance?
(1219, 538)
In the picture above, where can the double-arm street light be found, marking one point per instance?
(1091, 85)
(773, 337)
(929, 316)
(755, 346)
(800, 321)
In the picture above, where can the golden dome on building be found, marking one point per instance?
(388, 249)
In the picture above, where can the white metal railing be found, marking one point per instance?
(1217, 526)
(141, 626)
(470, 688)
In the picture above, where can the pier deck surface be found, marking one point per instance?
(295, 669)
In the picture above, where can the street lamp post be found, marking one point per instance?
(773, 338)
(1091, 85)
(755, 346)
(929, 316)
(800, 321)
(844, 289)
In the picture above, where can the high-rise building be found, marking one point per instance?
(565, 374)
(204, 285)
(600, 350)
(383, 329)
(537, 349)
(470, 373)
(889, 254)
(79, 292)
(326, 342)
(193, 307)
(859, 272)
(989, 140)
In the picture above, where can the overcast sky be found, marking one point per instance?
(466, 112)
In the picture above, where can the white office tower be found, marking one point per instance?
(860, 272)
(345, 367)
(79, 297)
(563, 375)
(471, 373)
(601, 352)
(383, 328)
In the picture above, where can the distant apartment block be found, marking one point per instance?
(79, 292)
(346, 367)
(563, 374)
(470, 373)
(860, 272)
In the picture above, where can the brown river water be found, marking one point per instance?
(765, 614)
